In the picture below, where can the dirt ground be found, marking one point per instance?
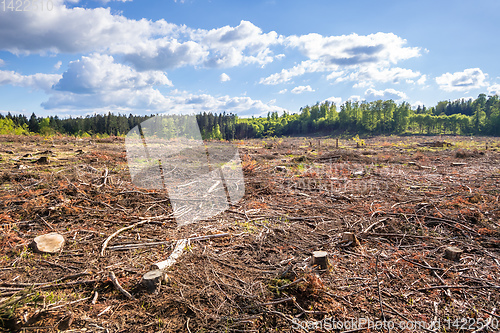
(406, 199)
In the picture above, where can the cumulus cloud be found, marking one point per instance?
(353, 49)
(231, 46)
(494, 89)
(335, 100)
(224, 77)
(150, 100)
(36, 81)
(417, 104)
(283, 91)
(354, 98)
(74, 30)
(422, 79)
(307, 66)
(100, 74)
(58, 65)
(372, 94)
(359, 58)
(165, 53)
(302, 89)
(366, 77)
(471, 78)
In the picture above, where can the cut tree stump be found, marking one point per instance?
(153, 279)
(349, 237)
(320, 258)
(453, 253)
(42, 160)
(48, 243)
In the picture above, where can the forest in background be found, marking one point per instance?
(480, 116)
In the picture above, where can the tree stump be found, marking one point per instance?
(320, 258)
(349, 237)
(48, 243)
(42, 160)
(153, 279)
(453, 253)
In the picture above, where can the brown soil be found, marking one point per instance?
(405, 199)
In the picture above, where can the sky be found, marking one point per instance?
(78, 57)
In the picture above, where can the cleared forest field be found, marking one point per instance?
(405, 199)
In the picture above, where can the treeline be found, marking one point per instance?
(480, 116)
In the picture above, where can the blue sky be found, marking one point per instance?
(244, 57)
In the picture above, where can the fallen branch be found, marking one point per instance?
(105, 244)
(113, 278)
(141, 245)
(176, 253)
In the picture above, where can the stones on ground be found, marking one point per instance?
(48, 243)
(320, 258)
(153, 279)
(453, 253)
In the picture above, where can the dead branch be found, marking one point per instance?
(105, 244)
(113, 278)
(176, 253)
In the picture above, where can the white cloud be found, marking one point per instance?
(2, 63)
(224, 77)
(36, 81)
(283, 91)
(58, 65)
(494, 89)
(354, 98)
(349, 50)
(472, 78)
(422, 79)
(232, 46)
(366, 58)
(307, 66)
(150, 100)
(372, 94)
(302, 89)
(366, 77)
(417, 104)
(335, 100)
(74, 30)
(100, 74)
(164, 53)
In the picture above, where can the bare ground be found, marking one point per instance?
(405, 199)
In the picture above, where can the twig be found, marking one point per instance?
(378, 287)
(279, 301)
(291, 284)
(105, 244)
(140, 245)
(113, 278)
(487, 323)
(458, 286)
